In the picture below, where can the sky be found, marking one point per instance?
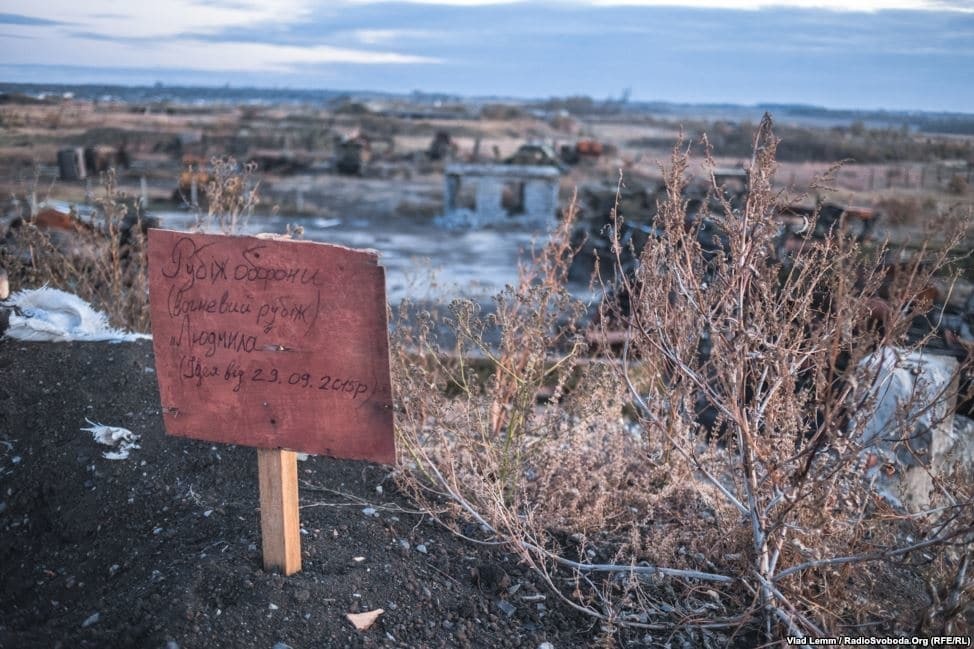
(870, 54)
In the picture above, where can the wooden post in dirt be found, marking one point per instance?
(277, 344)
(280, 526)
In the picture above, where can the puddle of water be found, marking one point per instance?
(422, 261)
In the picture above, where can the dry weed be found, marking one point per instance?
(735, 503)
(231, 194)
(102, 260)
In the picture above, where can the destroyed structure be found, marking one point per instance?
(527, 192)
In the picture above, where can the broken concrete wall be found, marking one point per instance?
(71, 164)
(540, 197)
(488, 198)
(956, 458)
(537, 205)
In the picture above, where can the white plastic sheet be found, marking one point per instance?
(53, 315)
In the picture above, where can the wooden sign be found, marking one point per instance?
(272, 343)
(277, 344)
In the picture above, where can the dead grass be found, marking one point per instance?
(757, 526)
(103, 258)
(103, 261)
(232, 193)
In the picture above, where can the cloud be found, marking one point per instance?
(897, 58)
(859, 6)
(225, 56)
(867, 6)
(452, 3)
(231, 35)
(388, 36)
(19, 19)
(160, 19)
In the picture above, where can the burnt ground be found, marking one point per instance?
(163, 549)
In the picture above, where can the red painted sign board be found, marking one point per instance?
(272, 343)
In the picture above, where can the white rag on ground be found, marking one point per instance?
(121, 439)
(52, 315)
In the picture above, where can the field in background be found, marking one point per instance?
(650, 485)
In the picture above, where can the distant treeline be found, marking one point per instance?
(800, 144)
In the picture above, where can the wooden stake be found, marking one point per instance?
(280, 527)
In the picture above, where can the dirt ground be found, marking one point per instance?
(163, 549)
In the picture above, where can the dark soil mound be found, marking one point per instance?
(163, 549)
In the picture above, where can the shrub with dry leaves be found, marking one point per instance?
(709, 477)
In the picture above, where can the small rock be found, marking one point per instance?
(506, 607)
(362, 621)
(370, 511)
(207, 513)
(281, 645)
(546, 645)
(421, 548)
(403, 543)
(272, 606)
(172, 644)
(91, 619)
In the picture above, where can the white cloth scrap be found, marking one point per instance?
(52, 315)
(122, 440)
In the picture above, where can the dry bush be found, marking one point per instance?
(901, 210)
(782, 355)
(735, 505)
(957, 185)
(231, 194)
(521, 432)
(103, 261)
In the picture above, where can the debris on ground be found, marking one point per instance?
(364, 621)
(52, 315)
(122, 440)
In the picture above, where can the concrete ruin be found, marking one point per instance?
(71, 164)
(501, 191)
(913, 436)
